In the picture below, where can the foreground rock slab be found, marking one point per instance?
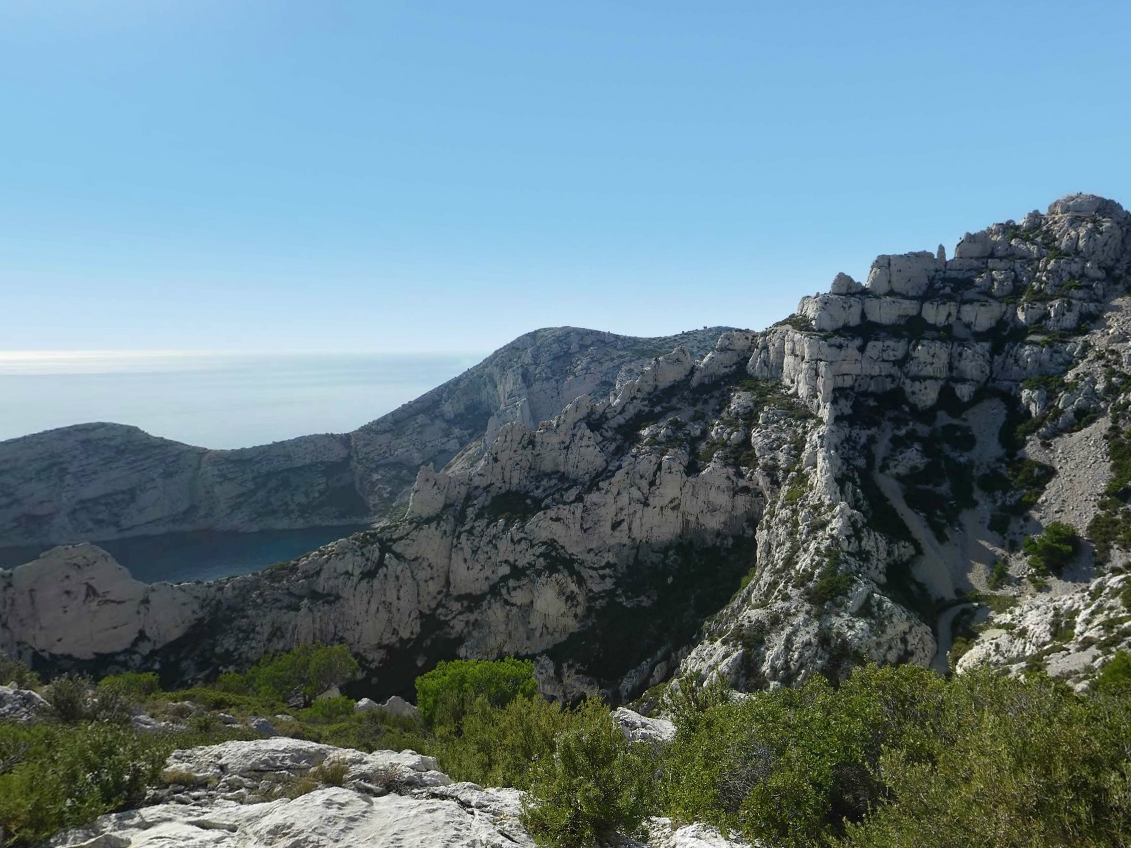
(228, 795)
(238, 794)
(332, 816)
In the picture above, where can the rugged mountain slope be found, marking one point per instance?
(105, 481)
(797, 501)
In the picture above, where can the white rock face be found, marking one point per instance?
(106, 481)
(77, 601)
(662, 834)
(228, 795)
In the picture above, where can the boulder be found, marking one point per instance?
(911, 273)
(830, 312)
(263, 726)
(638, 728)
(844, 284)
(395, 705)
(21, 705)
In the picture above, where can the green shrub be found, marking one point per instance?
(301, 673)
(446, 693)
(69, 774)
(328, 710)
(371, 731)
(498, 746)
(999, 575)
(1013, 765)
(70, 697)
(788, 767)
(1115, 676)
(233, 683)
(829, 586)
(134, 686)
(16, 671)
(593, 787)
(1052, 550)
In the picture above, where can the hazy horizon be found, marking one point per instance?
(217, 401)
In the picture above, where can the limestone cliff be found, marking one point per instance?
(796, 501)
(106, 481)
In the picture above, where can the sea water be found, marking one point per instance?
(215, 401)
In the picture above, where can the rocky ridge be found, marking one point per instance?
(107, 481)
(793, 503)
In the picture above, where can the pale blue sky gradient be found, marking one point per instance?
(443, 176)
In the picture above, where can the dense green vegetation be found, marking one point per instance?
(891, 757)
(1053, 550)
(899, 757)
(296, 676)
(446, 693)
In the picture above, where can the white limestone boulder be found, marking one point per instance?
(830, 312)
(330, 817)
(638, 728)
(395, 706)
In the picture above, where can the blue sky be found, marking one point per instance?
(443, 176)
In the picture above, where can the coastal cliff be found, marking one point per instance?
(792, 503)
(109, 481)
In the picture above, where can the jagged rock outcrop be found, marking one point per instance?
(915, 377)
(795, 502)
(106, 481)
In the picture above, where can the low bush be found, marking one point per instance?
(593, 787)
(446, 693)
(789, 767)
(69, 697)
(368, 731)
(1012, 764)
(898, 757)
(1053, 549)
(999, 575)
(498, 746)
(134, 686)
(328, 710)
(1115, 677)
(68, 774)
(15, 671)
(297, 676)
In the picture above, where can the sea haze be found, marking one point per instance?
(214, 400)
